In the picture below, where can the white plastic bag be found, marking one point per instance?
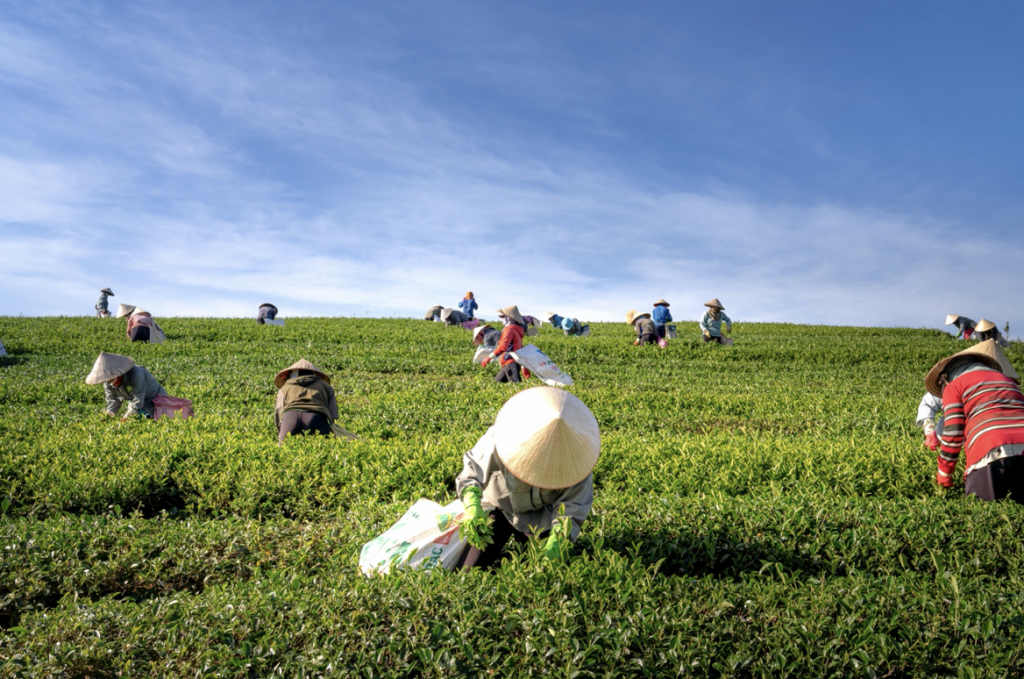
(670, 332)
(481, 354)
(425, 537)
(539, 364)
(273, 321)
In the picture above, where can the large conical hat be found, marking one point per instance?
(988, 352)
(984, 325)
(124, 310)
(301, 364)
(547, 438)
(513, 313)
(108, 291)
(952, 318)
(139, 311)
(446, 314)
(549, 315)
(715, 304)
(107, 367)
(478, 334)
(662, 301)
(632, 315)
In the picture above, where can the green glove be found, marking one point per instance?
(475, 525)
(471, 502)
(556, 549)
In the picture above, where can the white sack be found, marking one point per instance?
(539, 364)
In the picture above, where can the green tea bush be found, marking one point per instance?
(765, 509)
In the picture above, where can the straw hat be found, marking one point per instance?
(124, 310)
(108, 291)
(446, 314)
(549, 315)
(511, 312)
(952, 318)
(138, 311)
(715, 304)
(988, 352)
(478, 334)
(984, 325)
(301, 364)
(107, 367)
(547, 438)
(632, 315)
(661, 301)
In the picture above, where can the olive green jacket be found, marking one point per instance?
(309, 393)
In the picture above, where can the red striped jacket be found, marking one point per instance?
(983, 409)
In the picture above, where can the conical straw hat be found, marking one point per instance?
(478, 334)
(549, 315)
(139, 310)
(301, 364)
(988, 352)
(108, 291)
(661, 301)
(632, 315)
(513, 313)
(107, 367)
(984, 325)
(124, 310)
(547, 438)
(952, 318)
(715, 304)
(446, 314)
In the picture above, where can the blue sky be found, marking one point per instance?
(843, 162)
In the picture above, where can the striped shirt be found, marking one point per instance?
(983, 409)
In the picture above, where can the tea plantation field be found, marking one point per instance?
(766, 509)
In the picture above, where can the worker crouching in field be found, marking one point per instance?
(964, 325)
(646, 333)
(661, 317)
(987, 330)
(511, 339)
(102, 310)
(266, 312)
(306, 402)
(125, 382)
(141, 326)
(453, 317)
(570, 327)
(434, 313)
(711, 323)
(983, 410)
(486, 336)
(537, 459)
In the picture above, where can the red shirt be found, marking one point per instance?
(511, 340)
(983, 409)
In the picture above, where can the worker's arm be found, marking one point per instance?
(577, 501)
(705, 323)
(727, 321)
(278, 409)
(137, 403)
(952, 439)
(112, 398)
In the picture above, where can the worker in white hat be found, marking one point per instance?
(646, 332)
(125, 382)
(987, 330)
(306, 402)
(101, 305)
(486, 336)
(983, 410)
(434, 313)
(537, 458)
(965, 326)
(711, 323)
(453, 317)
(511, 340)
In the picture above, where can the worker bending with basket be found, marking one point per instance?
(711, 323)
(125, 382)
(983, 415)
(535, 465)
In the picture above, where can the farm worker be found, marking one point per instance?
(987, 330)
(646, 333)
(468, 305)
(984, 415)
(531, 321)
(964, 325)
(433, 313)
(142, 327)
(486, 336)
(125, 382)
(305, 401)
(101, 304)
(513, 330)
(571, 327)
(453, 317)
(711, 323)
(267, 312)
(661, 317)
(537, 458)
(929, 420)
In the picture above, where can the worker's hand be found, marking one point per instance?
(471, 502)
(475, 526)
(943, 479)
(707, 334)
(728, 328)
(556, 549)
(931, 440)
(636, 342)
(486, 361)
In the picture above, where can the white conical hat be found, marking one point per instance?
(715, 304)
(988, 352)
(107, 367)
(124, 310)
(511, 312)
(632, 315)
(984, 325)
(301, 364)
(951, 318)
(547, 438)
(478, 333)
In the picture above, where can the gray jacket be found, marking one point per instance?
(101, 304)
(138, 388)
(525, 506)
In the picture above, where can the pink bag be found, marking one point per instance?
(469, 325)
(662, 343)
(170, 406)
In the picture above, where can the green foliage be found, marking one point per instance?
(765, 509)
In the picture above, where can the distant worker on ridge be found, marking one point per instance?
(434, 313)
(101, 304)
(468, 305)
(511, 340)
(571, 327)
(266, 312)
(661, 317)
(965, 326)
(711, 323)
(987, 330)
(646, 333)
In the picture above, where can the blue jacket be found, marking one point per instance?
(468, 306)
(661, 315)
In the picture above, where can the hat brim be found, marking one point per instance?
(931, 380)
